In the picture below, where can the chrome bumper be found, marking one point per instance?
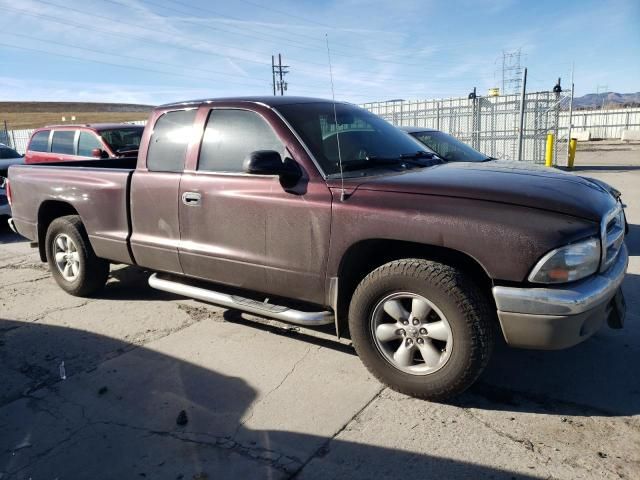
(558, 317)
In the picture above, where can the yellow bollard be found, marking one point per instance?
(573, 144)
(548, 156)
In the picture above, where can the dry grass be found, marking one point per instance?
(18, 121)
(21, 115)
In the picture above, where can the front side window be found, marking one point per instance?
(231, 135)
(362, 141)
(40, 142)
(87, 143)
(169, 141)
(62, 142)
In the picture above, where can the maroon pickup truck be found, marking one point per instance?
(317, 213)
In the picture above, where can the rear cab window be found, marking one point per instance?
(62, 142)
(169, 141)
(40, 141)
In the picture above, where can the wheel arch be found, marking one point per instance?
(365, 256)
(50, 210)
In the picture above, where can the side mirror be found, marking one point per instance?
(98, 153)
(269, 162)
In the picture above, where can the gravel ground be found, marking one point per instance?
(157, 386)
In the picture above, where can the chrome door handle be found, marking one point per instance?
(191, 198)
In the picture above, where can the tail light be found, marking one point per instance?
(8, 189)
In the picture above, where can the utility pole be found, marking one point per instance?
(523, 98)
(570, 126)
(279, 70)
(273, 74)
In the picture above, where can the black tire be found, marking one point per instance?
(467, 312)
(93, 271)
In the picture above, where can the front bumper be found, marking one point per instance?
(551, 318)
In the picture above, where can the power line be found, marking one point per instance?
(292, 43)
(101, 62)
(132, 57)
(93, 29)
(119, 35)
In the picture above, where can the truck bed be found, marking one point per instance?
(83, 187)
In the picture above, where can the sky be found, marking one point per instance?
(158, 51)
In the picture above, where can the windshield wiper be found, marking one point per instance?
(400, 161)
(371, 161)
(418, 154)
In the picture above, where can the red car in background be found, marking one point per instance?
(68, 143)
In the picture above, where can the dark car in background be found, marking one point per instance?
(8, 157)
(68, 143)
(446, 146)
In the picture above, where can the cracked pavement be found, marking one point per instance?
(264, 400)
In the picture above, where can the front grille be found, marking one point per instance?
(612, 236)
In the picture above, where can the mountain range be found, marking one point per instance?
(607, 99)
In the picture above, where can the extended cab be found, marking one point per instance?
(316, 213)
(72, 143)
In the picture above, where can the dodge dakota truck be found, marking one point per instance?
(314, 212)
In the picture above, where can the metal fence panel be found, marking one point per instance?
(604, 124)
(491, 124)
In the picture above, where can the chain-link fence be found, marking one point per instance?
(489, 124)
(16, 139)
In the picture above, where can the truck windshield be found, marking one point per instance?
(449, 148)
(123, 139)
(367, 142)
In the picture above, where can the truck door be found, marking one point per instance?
(247, 230)
(155, 192)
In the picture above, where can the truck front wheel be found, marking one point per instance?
(71, 259)
(422, 328)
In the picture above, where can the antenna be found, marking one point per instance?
(335, 119)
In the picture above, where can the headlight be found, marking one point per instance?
(567, 264)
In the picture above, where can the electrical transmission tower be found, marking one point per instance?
(511, 72)
(278, 72)
(602, 89)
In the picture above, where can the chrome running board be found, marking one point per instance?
(278, 312)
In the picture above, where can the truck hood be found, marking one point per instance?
(504, 182)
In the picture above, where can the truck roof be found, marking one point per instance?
(270, 101)
(96, 126)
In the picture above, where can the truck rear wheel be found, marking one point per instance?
(422, 328)
(71, 259)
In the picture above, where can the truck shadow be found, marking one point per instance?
(6, 235)
(116, 416)
(594, 377)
